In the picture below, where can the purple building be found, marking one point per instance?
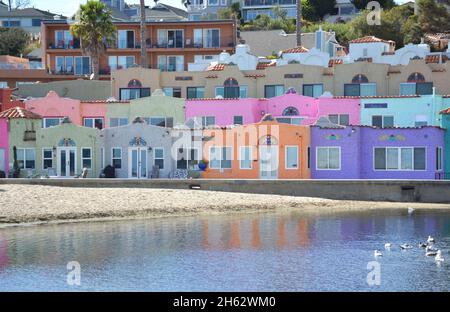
(362, 152)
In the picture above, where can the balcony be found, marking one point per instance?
(64, 45)
(257, 3)
(188, 43)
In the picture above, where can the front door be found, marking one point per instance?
(137, 163)
(67, 161)
(268, 161)
(2, 160)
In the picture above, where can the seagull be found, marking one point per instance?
(430, 239)
(430, 248)
(405, 246)
(410, 210)
(387, 246)
(377, 253)
(439, 256)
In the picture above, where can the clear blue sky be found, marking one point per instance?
(68, 7)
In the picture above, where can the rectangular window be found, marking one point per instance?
(173, 92)
(118, 122)
(375, 105)
(86, 157)
(340, 119)
(421, 121)
(47, 158)
(156, 121)
(125, 39)
(195, 92)
(211, 38)
(328, 158)
(273, 90)
(26, 158)
(408, 88)
(439, 155)
(220, 92)
(116, 158)
(187, 158)
(399, 158)
(82, 65)
(413, 88)
(51, 122)
(245, 157)
(220, 157)
(383, 121)
(93, 123)
(292, 157)
(35, 22)
(313, 90)
(127, 94)
(208, 121)
(243, 91)
(159, 157)
(368, 89)
(238, 120)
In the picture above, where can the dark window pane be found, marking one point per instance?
(377, 121)
(419, 158)
(380, 159)
(424, 88)
(351, 90)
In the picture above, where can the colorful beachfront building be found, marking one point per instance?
(21, 129)
(4, 146)
(264, 150)
(403, 111)
(446, 125)
(288, 108)
(362, 152)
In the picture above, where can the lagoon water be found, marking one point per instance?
(243, 252)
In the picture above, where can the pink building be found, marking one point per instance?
(4, 145)
(289, 108)
(54, 108)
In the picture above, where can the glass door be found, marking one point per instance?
(137, 158)
(67, 159)
(268, 162)
(2, 160)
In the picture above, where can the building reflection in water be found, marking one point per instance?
(3, 253)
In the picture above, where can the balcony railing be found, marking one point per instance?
(71, 44)
(269, 2)
(196, 7)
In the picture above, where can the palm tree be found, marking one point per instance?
(144, 62)
(299, 23)
(95, 29)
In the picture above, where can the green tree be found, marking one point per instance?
(323, 7)
(308, 11)
(362, 4)
(95, 29)
(412, 31)
(298, 23)
(433, 17)
(13, 41)
(144, 61)
(279, 12)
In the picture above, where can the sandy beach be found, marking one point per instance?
(42, 204)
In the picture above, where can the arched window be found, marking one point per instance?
(134, 84)
(416, 77)
(231, 88)
(360, 79)
(290, 111)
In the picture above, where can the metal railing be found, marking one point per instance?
(442, 175)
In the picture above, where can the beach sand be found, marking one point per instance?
(46, 204)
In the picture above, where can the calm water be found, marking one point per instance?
(262, 252)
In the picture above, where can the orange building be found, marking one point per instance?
(265, 150)
(170, 46)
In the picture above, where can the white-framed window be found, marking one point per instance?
(118, 122)
(421, 121)
(116, 157)
(290, 120)
(82, 65)
(208, 121)
(47, 158)
(51, 121)
(172, 91)
(213, 2)
(86, 157)
(170, 38)
(291, 157)
(439, 156)
(159, 157)
(328, 158)
(313, 90)
(340, 119)
(171, 63)
(382, 121)
(195, 92)
(220, 157)
(187, 158)
(26, 158)
(121, 62)
(245, 157)
(95, 122)
(3, 85)
(399, 158)
(64, 64)
(126, 39)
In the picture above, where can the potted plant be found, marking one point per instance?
(202, 164)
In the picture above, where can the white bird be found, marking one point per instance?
(439, 256)
(430, 239)
(377, 253)
(405, 246)
(430, 248)
(423, 245)
(410, 210)
(387, 246)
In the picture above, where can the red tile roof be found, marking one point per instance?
(264, 65)
(254, 75)
(433, 58)
(446, 111)
(333, 62)
(19, 112)
(370, 39)
(216, 67)
(296, 50)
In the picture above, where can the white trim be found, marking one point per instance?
(139, 150)
(328, 158)
(112, 157)
(90, 158)
(44, 119)
(382, 119)
(163, 157)
(250, 154)
(58, 159)
(134, 38)
(221, 154)
(25, 157)
(93, 122)
(441, 158)
(43, 158)
(399, 158)
(285, 157)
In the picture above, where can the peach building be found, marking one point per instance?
(264, 150)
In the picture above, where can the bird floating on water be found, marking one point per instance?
(430, 248)
(439, 256)
(387, 246)
(377, 253)
(410, 210)
(430, 239)
(431, 253)
(406, 246)
(423, 245)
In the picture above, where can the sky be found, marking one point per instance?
(68, 7)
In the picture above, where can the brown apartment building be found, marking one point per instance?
(170, 46)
